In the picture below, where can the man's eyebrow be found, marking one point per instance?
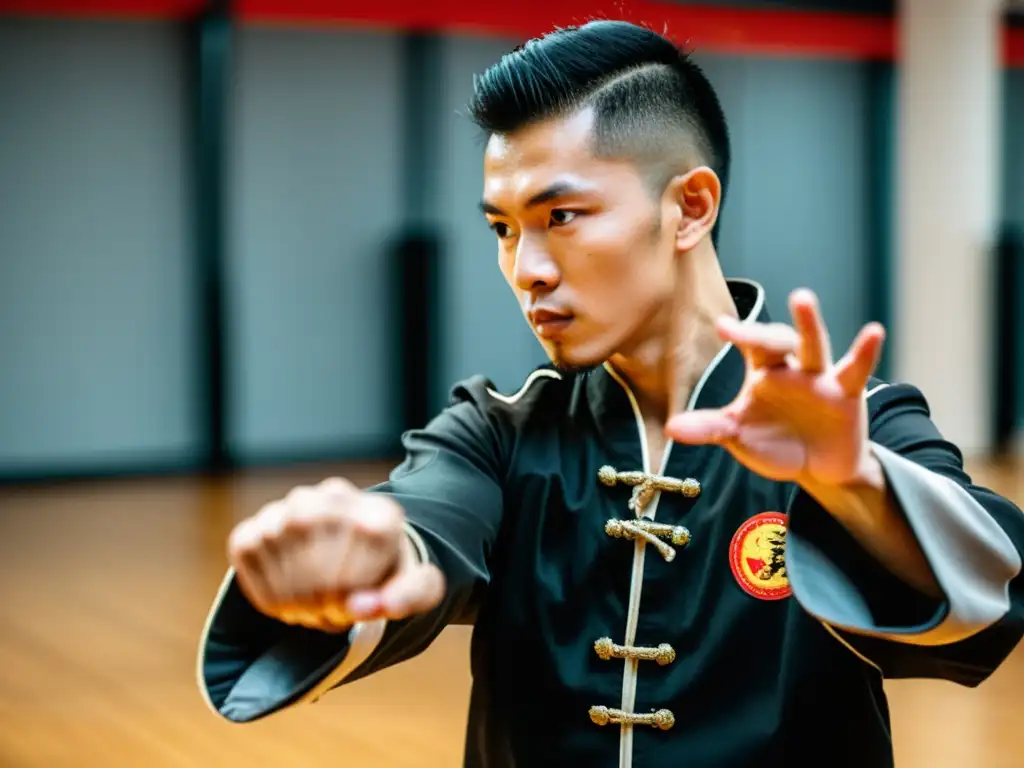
(553, 192)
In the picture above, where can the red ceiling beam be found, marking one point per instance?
(709, 28)
(738, 31)
(127, 9)
(1013, 47)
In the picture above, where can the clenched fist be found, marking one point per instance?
(328, 556)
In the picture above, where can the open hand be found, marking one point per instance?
(799, 416)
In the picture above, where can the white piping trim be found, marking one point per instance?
(513, 399)
(364, 638)
(644, 448)
(630, 667)
(417, 542)
(874, 389)
(750, 318)
(204, 636)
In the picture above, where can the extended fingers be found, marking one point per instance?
(772, 344)
(815, 351)
(859, 363)
(765, 345)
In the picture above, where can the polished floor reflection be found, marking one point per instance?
(106, 585)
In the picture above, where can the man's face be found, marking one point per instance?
(581, 242)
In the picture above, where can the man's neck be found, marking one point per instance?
(680, 342)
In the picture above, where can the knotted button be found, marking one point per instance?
(651, 532)
(606, 650)
(645, 485)
(662, 718)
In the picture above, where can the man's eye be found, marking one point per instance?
(560, 218)
(500, 229)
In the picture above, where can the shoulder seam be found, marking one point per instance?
(513, 399)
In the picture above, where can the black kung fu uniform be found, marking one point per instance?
(635, 610)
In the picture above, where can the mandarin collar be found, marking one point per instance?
(720, 382)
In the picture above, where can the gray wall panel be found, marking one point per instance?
(314, 199)
(95, 278)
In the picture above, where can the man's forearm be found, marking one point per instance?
(868, 510)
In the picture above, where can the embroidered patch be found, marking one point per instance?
(757, 556)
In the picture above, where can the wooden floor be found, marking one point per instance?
(105, 588)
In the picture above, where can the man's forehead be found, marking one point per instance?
(550, 152)
(543, 141)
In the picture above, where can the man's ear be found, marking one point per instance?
(698, 195)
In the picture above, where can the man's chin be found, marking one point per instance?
(569, 365)
(570, 369)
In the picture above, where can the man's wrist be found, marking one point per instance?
(867, 483)
(869, 475)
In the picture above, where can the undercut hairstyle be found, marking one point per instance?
(652, 104)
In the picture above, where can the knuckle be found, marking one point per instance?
(379, 515)
(337, 485)
(373, 536)
(299, 521)
(305, 509)
(272, 522)
(268, 518)
(300, 496)
(243, 540)
(381, 545)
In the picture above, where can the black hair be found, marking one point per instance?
(652, 103)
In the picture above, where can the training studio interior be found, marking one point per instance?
(240, 248)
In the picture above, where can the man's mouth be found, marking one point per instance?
(550, 324)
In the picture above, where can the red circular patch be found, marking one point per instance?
(757, 556)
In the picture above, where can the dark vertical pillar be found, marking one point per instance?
(1006, 320)
(423, 84)
(881, 192)
(418, 251)
(210, 52)
(416, 261)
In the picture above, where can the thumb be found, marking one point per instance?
(414, 589)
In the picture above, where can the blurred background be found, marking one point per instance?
(240, 249)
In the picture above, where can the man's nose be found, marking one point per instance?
(535, 269)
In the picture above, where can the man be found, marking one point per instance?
(697, 539)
